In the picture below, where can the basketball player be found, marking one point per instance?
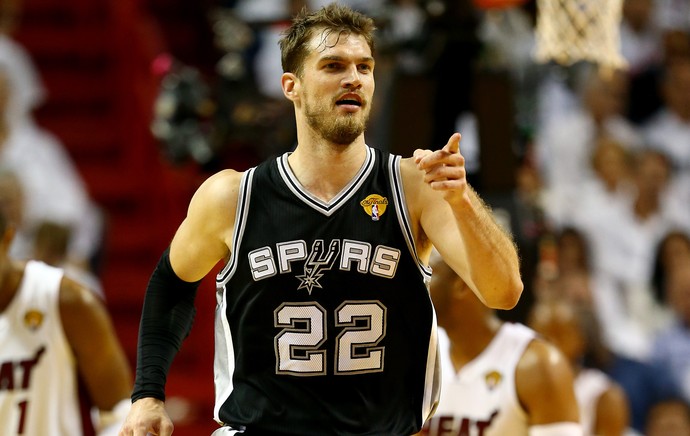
(499, 378)
(324, 322)
(604, 409)
(53, 332)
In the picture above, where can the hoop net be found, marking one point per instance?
(569, 31)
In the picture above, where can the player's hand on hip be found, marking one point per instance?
(444, 169)
(147, 417)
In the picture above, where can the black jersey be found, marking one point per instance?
(324, 323)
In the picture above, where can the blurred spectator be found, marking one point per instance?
(671, 251)
(50, 240)
(603, 404)
(669, 130)
(672, 14)
(574, 272)
(610, 185)
(642, 47)
(623, 237)
(403, 34)
(669, 418)
(52, 186)
(672, 346)
(28, 91)
(51, 244)
(564, 144)
(641, 41)
(644, 383)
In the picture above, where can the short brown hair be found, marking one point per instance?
(331, 18)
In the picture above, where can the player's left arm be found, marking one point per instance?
(613, 412)
(544, 383)
(451, 216)
(100, 359)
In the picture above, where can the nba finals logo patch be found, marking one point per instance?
(493, 379)
(374, 206)
(33, 319)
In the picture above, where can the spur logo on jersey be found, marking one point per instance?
(341, 254)
(317, 262)
(374, 205)
(33, 319)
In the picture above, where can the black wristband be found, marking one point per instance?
(166, 320)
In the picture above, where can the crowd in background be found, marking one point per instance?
(600, 204)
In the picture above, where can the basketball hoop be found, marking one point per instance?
(569, 31)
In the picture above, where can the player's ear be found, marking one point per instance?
(290, 85)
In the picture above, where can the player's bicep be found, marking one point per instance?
(204, 236)
(545, 385)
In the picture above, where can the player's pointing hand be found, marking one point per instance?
(444, 169)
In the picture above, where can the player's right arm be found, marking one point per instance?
(205, 235)
(203, 239)
(544, 383)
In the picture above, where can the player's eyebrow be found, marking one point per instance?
(365, 59)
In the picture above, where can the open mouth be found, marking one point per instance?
(349, 100)
(348, 103)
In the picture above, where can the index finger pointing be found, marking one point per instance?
(453, 145)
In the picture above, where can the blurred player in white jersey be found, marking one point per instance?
(54, 332)
(498, 378)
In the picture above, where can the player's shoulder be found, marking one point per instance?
(542, 365)
(227, 179)
(219, 188)
(76, 297)
(544, 382)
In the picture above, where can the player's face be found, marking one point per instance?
(337, 86)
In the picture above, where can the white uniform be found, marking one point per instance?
(590, 384)
(480, 399)
(38, 381)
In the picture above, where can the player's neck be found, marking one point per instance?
(325, 169)
(469, 338)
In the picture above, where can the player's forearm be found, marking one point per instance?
(494, 265)
(166, 320)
